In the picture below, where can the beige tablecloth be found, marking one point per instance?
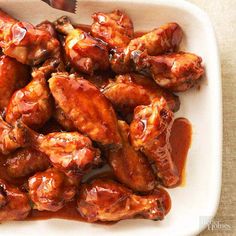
(223, 16)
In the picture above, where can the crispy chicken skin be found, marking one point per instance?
(115, 28)
(150, 132)
(11, 137)
(24, 42)
(129, 166)
(176, 71)
(130, 90)
(50, 190)
(85, 53)
(25, 162)
(67, 151)
(13, 76)
(86, 106)
(33, 103)
(14, 204)
(161, 40)
(106, 200)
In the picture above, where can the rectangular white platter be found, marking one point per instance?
(194, 204)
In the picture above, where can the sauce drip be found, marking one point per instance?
(180, 140)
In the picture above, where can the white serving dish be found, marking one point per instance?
(193, 205)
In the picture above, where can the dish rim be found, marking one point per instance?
(217, 91)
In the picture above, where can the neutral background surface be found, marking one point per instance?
(223, 16)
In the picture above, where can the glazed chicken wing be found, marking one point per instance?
(130, 90)
(115, 28)
(59, 54)
(161, 40)
(13, 76)
(14, 204)
(11, 137)
(106, 200)
(150, 132)
(32, 104)
(24, 42)
(85, 53)
(86, 106)
(129, 166)
(176, 71)
(25, 162)
(67, 151)
(50, 190)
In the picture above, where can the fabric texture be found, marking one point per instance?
(223, 17)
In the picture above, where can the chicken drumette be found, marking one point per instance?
(14, 204)
(176, 71)
(130, 90)
(115, 28)
(161, 40)
(70, 152)
(129, 166)
(106, 200)
(50, 190)
(85, 53)
(33, 103)
(25, 162)
(150, 132)
(24, 42)
(86, 106)
(13, 76)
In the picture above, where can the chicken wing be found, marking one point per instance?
(25, 162)
(129, 166)
(24, 42)
(85, 53)
(14, 204)
(50, 190)
(11, 137)
(130, 90)
(115, 28)
(59, 54)
(161, 40)
(67, 151)
(33, 103)
(106, 200)
(176, 71)
(150, 132)
(86, 106)
(13, 76)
